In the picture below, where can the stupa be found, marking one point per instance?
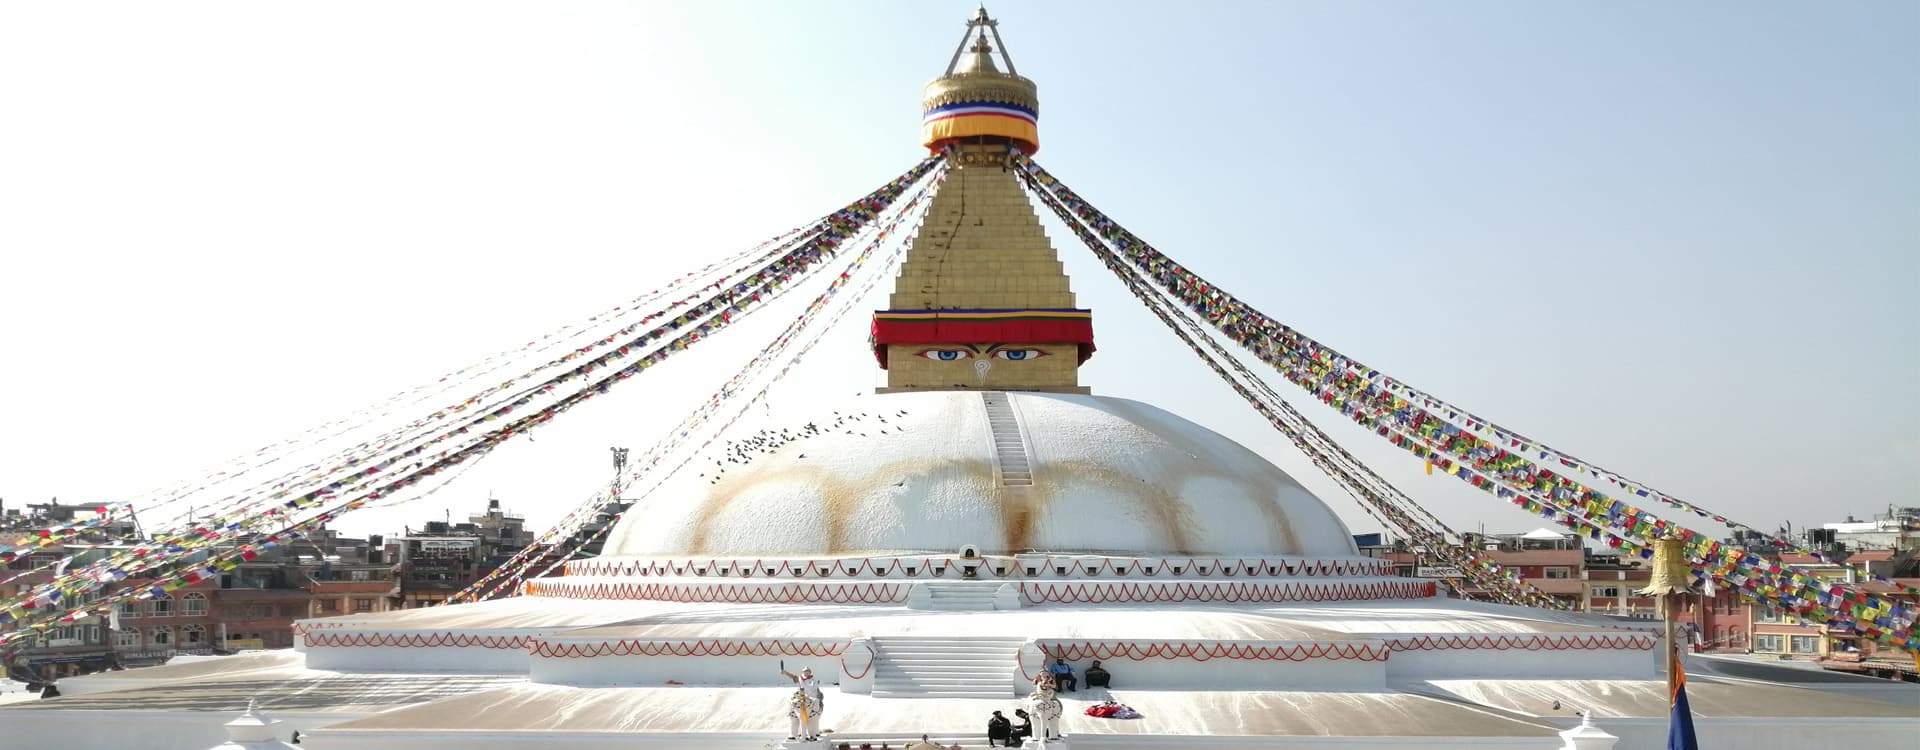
(929, 549)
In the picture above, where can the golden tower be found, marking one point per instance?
(982, 302)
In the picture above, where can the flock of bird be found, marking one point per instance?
(764, 442)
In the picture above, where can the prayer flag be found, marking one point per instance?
(1680, 724)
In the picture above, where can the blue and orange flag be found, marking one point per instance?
(1680, 723)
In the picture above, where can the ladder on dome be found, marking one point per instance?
(1009, 448)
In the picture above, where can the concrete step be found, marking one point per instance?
(945, 695)
(965, 686)
(956, 658)
(945, 667)
(929, 677)
(944, 661)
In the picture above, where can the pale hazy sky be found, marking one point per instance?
(1679, 240)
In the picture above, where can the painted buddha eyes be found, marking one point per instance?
(955, 355)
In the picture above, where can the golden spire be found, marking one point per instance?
(977, 100)
(982, 301)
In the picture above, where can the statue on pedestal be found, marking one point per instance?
(1044, 709)
(803, 711)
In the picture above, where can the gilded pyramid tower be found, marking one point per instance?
(982, 302)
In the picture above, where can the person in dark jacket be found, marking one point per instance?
(999, 730)
(1097, 677)
(1023, 728)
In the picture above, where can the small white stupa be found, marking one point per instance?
(252, 731)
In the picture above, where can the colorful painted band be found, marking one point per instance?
(947, 123)
(982, 327)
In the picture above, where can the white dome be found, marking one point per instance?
(920, 473)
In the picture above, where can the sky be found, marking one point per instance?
(1677, 240)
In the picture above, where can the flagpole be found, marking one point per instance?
(1671, 572)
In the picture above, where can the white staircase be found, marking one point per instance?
(954, 595)
(915, 667)
(1009, 450)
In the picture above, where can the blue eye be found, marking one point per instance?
(1019, 354)
(947, 355)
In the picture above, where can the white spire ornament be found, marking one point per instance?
(252, 731)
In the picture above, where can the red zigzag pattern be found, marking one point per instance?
(1522, 643)
(799, 593)
(696, 648)
(416, 640)
(1211, 651)
(1209, 567)
(1100, 593)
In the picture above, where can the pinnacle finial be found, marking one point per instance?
(982, 19)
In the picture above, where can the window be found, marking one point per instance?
(162, 636)
(1766, 613)
(1806, 644)
(132, 609)
(329, 606)
(1769, 642)
(363, 605)
(128, 638)
(1606, 592)
(193, 635)
(161, 607)
(193, 605)
(360, 575)
(1559, 571)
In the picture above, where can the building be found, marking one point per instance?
(1007, 518)
(1898, 529)
(355, 577)
(1552, 562)
(1612, 586)
(444, 559)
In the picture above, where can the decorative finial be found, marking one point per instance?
(252, 703)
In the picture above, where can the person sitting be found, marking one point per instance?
(1023, 728)
(999, 730)
(1097, 677)
(1062, 675)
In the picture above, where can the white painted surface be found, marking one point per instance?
(927, 485)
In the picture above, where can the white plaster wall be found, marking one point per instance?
(465, 659)
(654, 671)
(499, 741)
(1238, 674)
(1599, 664)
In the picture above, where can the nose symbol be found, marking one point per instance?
(981, 367)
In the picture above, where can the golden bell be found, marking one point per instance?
(1672, 574)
